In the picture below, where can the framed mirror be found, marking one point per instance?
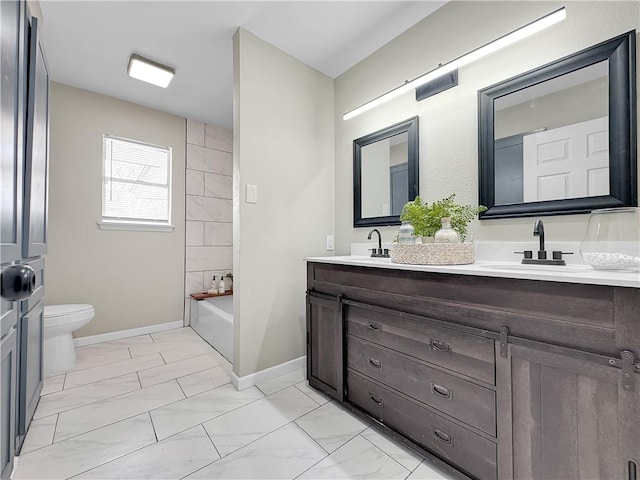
(561, 139)
(385, 174)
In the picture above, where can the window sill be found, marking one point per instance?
(141, 227)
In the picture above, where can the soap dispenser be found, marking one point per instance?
(221, 285)
(214, 287)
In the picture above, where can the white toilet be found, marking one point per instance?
(59, 322)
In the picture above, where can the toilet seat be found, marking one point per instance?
(56, 315)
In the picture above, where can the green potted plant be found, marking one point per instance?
(426, 218)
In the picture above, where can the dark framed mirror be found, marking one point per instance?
(561, 139)
(385, 174)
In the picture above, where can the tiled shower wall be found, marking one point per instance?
(209, 208)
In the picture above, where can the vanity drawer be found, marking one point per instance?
(467, 450)
(468, 354)
(466, 401)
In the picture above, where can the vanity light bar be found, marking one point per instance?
(149, 71)
(499, 43)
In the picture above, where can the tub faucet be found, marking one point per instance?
(379, 252)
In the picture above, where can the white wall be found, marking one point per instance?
(283, 144)
(448, 121)
(209, 207)
(132, 278)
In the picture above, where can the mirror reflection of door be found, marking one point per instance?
(551, 139)
(385, 176)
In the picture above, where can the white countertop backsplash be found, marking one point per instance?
(494, 259)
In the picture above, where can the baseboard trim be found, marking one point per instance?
(132, 332)
(268, 373)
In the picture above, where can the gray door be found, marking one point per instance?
(31, 320)
(23, 193)
(11, 195)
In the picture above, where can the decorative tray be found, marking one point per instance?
(433, 253)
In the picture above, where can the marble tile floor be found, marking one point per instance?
(161, 406)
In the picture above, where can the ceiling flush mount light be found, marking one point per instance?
(499, 43)
(150, 71)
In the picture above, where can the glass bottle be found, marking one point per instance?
(612, 239)
(446, 234)
(407, 233)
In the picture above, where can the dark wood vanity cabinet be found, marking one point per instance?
(498, 378)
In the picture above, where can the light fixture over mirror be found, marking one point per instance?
(149, 71)
(497, 44)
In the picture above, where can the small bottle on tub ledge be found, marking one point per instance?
(214, 286)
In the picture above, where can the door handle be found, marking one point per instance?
(17, 282)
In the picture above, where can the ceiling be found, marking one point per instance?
(88, 43)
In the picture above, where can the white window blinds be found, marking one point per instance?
(136, 185)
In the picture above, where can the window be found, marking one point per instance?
(136, 185)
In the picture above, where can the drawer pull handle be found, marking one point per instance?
(374, 326)
(438, 346)
(375, 363)
(441, 391)
(442, 436)
(375, 400)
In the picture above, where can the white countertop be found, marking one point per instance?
(569, 274)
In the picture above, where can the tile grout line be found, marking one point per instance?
(320, 404)
(212, 443)
(117, 421)
(85, 404)
(120, 375)
(269, 433)
(211, 418)
(155, 433)
(320, 446)
(387, 454)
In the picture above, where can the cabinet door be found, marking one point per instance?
(571, 418)
(11, 131)
(8, 365)
(325, 351)
(36, 175)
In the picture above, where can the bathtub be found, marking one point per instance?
(212, 319)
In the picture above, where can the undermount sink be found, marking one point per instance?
(540, 268)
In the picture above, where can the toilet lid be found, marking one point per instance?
(52, 311)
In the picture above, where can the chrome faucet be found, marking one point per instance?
(379, 252)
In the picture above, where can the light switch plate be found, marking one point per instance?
(330, 243)
(252, 193)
